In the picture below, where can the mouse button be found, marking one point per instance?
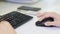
(39, 23)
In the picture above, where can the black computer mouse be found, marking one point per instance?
(42, 23)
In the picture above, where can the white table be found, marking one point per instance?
(30, 27)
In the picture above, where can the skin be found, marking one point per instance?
(56, 17)
(6, 28)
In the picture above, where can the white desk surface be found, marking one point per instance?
(30, 27)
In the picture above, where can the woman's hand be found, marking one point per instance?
(56, 17)
(6, 28)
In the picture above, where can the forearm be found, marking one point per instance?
(6, 28)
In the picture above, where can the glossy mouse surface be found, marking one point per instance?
(41, 23)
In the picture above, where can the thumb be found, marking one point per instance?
(49, 23)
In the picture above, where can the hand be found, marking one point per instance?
(6, 28)
(56, 17)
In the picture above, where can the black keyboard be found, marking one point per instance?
(16, 19)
